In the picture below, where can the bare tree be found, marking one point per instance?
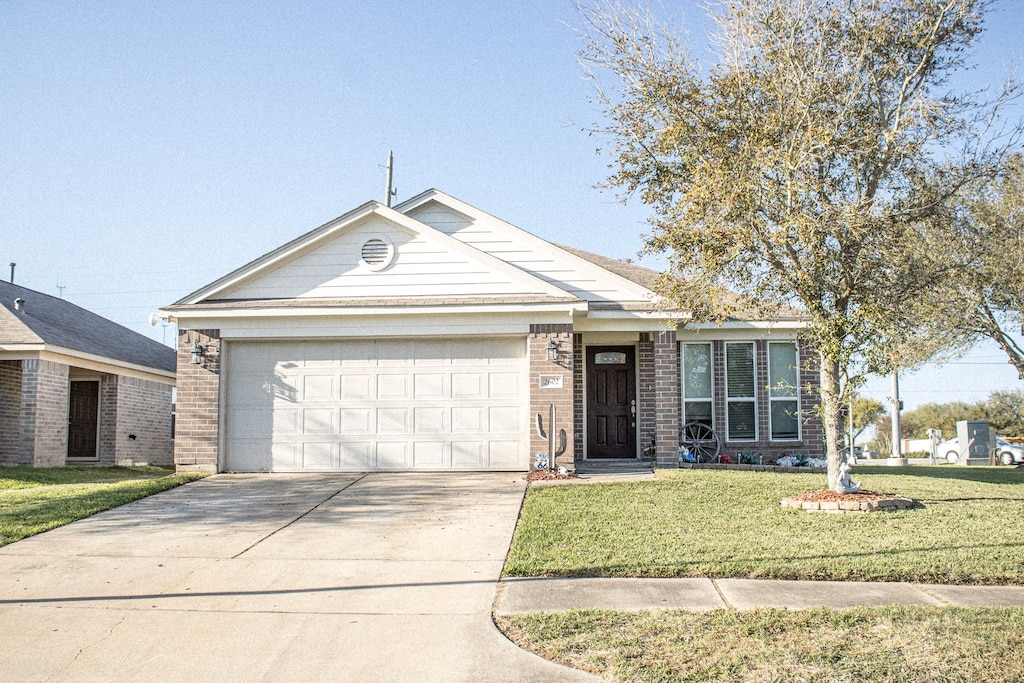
(803, 168)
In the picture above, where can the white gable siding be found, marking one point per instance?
(421, 267)
(547, 262)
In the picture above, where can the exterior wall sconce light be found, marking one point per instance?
(196, 357)
(552, 351)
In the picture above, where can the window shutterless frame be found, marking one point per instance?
(740, 391)
(784, 391)
(697, 372)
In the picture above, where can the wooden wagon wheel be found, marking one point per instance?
(702, 441)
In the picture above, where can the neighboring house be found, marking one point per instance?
(78, 389)
(421, 336)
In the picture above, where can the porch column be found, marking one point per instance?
(666, 395)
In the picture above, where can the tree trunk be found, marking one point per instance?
(832, 418)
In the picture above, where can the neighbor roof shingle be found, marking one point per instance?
(48, 320)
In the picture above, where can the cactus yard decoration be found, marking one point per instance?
(550, 436)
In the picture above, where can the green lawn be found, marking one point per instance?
(880, 644)
(33, 500)
(966, 528)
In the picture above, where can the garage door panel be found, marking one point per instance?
(355, 455)
(286, 421)
(504, 385)
(376, 404)
(504, 419)
(318, 455)
(429, 455)
(318, 388)
(355, 387)
(428, 385)
(469, 454)
(393, 455)
(468, 419)
(392, 387)
(393, 421)
(318, 421)
(469, 385)
(250, 423)
(356, 421)
(430, 420)
(503, 453)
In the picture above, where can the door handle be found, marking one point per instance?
(632, 407)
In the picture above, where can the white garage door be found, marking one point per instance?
(376, 405)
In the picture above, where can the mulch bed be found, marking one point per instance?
(830, 495)
(545, 475)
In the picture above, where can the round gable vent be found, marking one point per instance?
(377, 253)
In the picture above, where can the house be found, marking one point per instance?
(431, 336)
(78, 389)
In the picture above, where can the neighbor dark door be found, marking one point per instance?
(82, 422)
(611, 402)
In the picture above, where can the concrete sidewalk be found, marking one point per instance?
(523, 595)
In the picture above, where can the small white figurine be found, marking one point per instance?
(844, 485)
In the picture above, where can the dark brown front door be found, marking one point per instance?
(611, 402)
(82, 414)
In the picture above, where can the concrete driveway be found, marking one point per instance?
(381, 577)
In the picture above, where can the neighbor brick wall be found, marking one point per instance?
(666, 396)
(143, 411)
(541, 399)
(44, 413)
(197, 427)
(10, 411)
(108, 420)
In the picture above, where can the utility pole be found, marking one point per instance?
(897, 405)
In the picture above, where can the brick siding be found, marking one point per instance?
(143, 412)
(647, 413)
(10, 411)
(44, 413)
(197, 426)
(561, 398)
(666, 397)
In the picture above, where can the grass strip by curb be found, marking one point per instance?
(904, 644)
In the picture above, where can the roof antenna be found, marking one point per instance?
(61, 286)
(388, 190)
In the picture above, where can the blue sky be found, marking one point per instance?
(146, 148)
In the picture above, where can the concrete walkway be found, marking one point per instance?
(387, 577)
(523, 595)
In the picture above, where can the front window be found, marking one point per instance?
(741, 402)
(783, 394)
(697, 373)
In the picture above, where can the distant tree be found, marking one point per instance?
(865, 412)
(804, 168)
(941, 416)
(1005, 412)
